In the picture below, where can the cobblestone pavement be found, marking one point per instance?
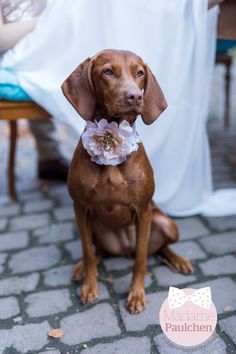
(39, 245)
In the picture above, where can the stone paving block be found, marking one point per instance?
(4, 199)
(191, 228)
(75, 249)
(58, 276)
(48, 302)
(64, 213)
(50, 352)
(219, 266)
(3, 257)
(3, 224)
(122, 284)
(103, 292)
(24, 184)
(150, 316)
(214, 345)
(29, 222)
(97, 322)
(17, 285)
(166, 277)
(35, 259)
(58, 190)
(223, 292)
(228, 325)
(37, 206)
(8, 307)
(25, 338)
(30, 196)
(188, 249)
(129, 345)
(9, 210)
(222, 223)
(55, 233)
(220, 244)
(121, 263)
(13, 240)
(63, 199)
(117, 263)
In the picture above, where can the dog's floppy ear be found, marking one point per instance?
(78, 89)
(153, 99)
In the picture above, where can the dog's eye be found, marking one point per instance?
(140, 73)
(108, 72)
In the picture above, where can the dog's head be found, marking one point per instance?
(114, 84)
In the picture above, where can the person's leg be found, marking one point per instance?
(51, 164)
(46, 143)
(232, 159)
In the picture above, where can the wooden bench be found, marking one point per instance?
(13, 111)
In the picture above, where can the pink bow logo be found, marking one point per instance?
(200, 297)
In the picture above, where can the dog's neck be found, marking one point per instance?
(128, 117)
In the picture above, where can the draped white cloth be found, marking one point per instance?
(177, 39)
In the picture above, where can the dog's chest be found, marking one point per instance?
(112, 185)
(107, 187)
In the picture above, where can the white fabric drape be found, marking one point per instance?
(177, 39)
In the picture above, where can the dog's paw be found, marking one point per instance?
(180, 265)
(78, 271)
(186, 266)
(136, 301)
(89, 293)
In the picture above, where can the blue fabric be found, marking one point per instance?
(9, 87)
(223, 45)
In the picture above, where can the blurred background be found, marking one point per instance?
(222, 134)
(221, 130)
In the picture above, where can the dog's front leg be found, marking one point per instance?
(136, 299)
(89, 290)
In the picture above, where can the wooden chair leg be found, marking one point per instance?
(11, 160)
(227, 94)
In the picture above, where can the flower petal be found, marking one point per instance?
(125, 129)
(102, 123)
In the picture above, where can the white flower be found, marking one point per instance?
(109, 143)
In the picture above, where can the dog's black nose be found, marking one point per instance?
(134, 97)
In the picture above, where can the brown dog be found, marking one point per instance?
(113, 206)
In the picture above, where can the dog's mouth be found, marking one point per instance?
(122, 109)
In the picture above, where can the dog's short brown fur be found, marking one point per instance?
(113, 206)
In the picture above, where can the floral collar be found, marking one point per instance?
(109, 143)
